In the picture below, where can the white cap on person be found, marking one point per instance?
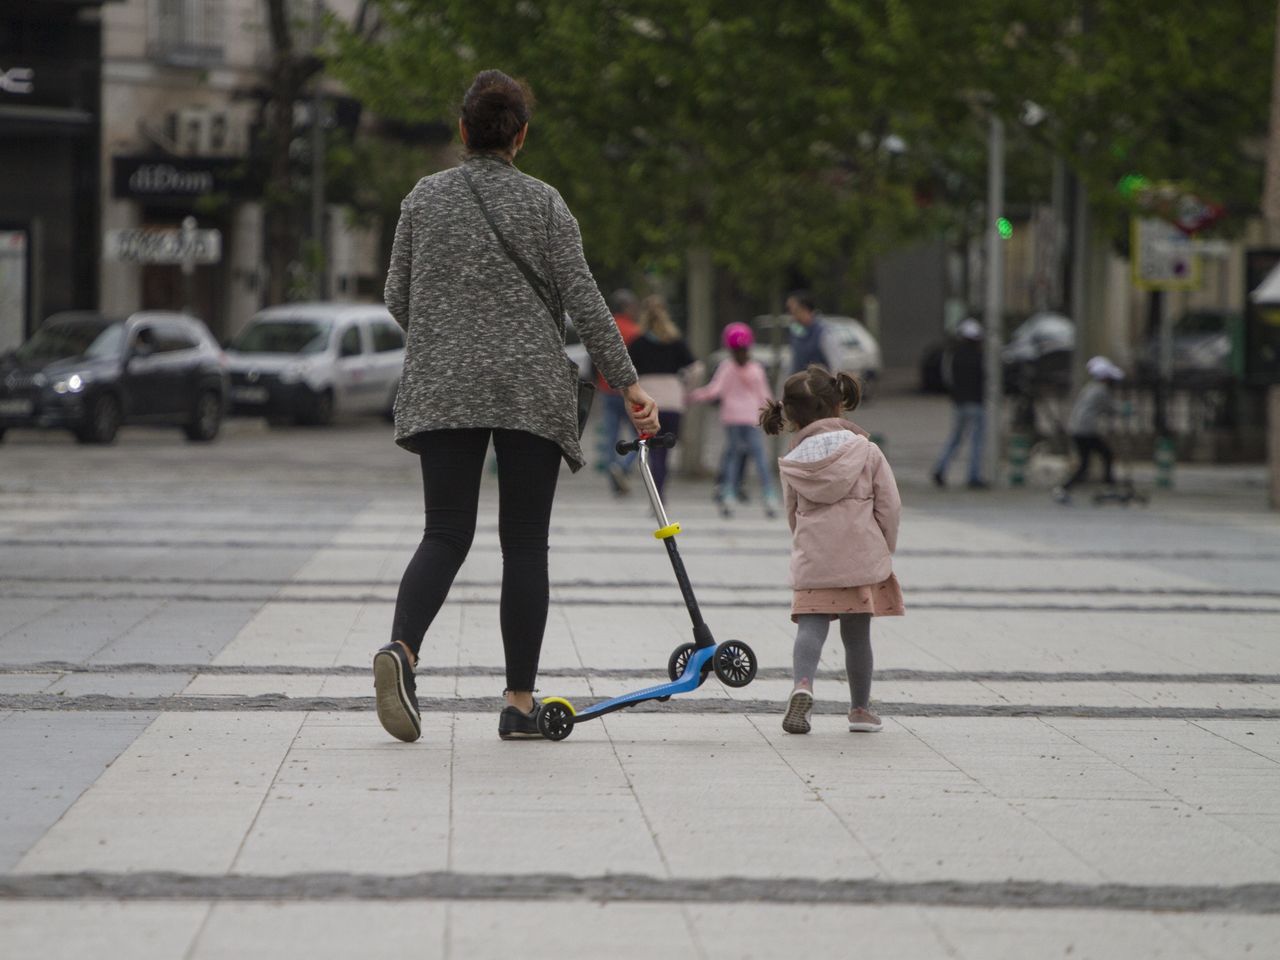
(1100, 368)
(970, 329)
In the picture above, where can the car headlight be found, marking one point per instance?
(72, 384)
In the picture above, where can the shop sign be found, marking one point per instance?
(19, 80)
(172, 178)
(163, 245)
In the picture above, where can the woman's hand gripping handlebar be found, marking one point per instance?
(641, 408)
(667, 440)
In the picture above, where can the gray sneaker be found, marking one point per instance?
(396, 694)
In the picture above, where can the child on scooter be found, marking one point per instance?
(742, 386)
(843, 507)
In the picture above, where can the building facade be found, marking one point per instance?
(50, 68)
(182, 86)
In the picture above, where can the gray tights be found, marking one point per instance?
(855, 631)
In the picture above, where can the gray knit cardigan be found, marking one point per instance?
(483, 350)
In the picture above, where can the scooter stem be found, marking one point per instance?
(655, 500)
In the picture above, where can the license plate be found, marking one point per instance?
(250, 394)
(16, 408)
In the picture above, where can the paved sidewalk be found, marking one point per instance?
(1081, 754)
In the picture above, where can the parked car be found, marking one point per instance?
(860, 353)
(90, 373)
(308, 362)
(1201, 350)
(1038, 354)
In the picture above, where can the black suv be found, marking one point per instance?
(88, 373)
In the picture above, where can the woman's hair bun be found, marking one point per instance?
(494, 110)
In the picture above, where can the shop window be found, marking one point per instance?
(188, 32)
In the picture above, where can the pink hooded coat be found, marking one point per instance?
(844, 512)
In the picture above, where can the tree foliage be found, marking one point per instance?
(782, 133)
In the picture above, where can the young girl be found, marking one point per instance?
(843, 507)
(741, 386)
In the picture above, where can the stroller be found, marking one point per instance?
(690, 663)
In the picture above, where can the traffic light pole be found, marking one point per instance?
(993, 314)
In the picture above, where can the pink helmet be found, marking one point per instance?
(738, 336)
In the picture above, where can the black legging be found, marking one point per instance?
(452, 466)
(1086, 447)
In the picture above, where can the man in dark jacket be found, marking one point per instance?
(963, 370)
(812, 341)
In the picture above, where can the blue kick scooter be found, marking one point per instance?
(733, 661)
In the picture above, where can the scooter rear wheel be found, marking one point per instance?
(555, 721)
(735, 664)
(679, 660)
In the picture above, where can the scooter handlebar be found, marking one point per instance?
(667, 440)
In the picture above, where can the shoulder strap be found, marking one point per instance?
(535, 281)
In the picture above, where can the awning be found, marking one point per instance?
(19, 121)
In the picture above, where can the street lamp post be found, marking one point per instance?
(995, 298)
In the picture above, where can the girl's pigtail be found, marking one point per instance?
(771, 418)
(850, 391)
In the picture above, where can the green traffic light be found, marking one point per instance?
(1004, 228)
(1131, 184)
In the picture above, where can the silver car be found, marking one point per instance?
(309, 362)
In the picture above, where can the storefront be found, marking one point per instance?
(163, 191)
(50, 70)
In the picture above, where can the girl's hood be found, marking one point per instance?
(832, 478)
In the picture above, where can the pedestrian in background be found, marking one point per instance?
(485, 359)
(666, 367)
(843, 508)
(742, 387)
(812, 340)
(964, 372)
(614, 407)
(1088, 424)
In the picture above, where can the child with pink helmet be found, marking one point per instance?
(742, 387)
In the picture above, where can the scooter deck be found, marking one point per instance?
(691, 679)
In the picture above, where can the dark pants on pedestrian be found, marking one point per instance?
(667, 423)
(452, 466)
(1086, 447)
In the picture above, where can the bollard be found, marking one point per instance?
(1019, 454)
(1164, 457)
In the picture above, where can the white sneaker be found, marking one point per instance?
(799, 705)
(862, 720)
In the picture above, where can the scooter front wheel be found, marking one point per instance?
(735, 664)
(555, 719)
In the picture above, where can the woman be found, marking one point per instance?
(665, 365)
(486, 262)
